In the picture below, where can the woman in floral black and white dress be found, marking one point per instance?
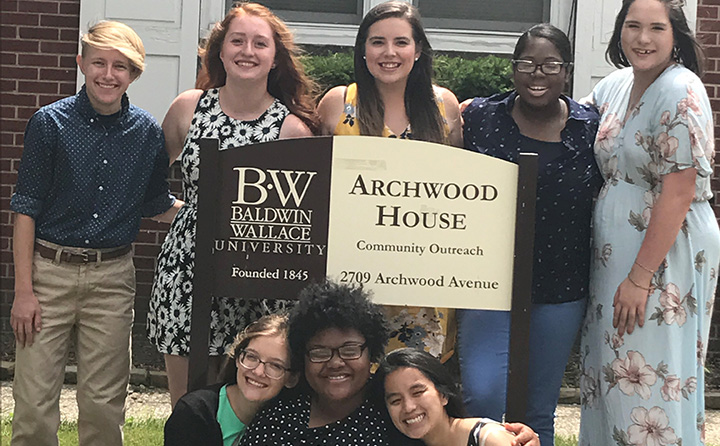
(251, 89)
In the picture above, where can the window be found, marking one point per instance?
(314, 11)
(489, 26)
(483, 15)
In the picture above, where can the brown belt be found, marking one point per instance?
(89, 256)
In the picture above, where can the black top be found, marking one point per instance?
(285, 422)
(193, 422)
(568, 179)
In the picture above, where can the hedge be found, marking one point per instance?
(464, 77)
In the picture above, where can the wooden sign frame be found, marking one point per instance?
(210, 216)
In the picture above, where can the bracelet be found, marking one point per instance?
(637, 284)
(644, 267)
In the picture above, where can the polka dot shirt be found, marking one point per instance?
(568, 179)
(285, 422)
(87, 179)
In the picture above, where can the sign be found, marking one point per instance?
(415, 222)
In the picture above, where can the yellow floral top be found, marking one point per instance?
(432, 329)
(347, 123)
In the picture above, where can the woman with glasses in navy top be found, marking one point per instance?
(536, 117)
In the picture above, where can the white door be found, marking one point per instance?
(169, 31)
(595, 22)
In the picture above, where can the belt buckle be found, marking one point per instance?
(85, 256)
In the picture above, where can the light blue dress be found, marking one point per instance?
(647, 388)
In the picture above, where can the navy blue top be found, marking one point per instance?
(566, 185)
(86, 179)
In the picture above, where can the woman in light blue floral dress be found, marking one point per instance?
(656, 238)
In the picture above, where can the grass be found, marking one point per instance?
(145, 432)
(149, 432)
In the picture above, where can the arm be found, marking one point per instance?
(668, 214)
(175, 127)
(187, 426)
(588, 100)
(523, 435)
(177, 121)
(330, 108)
(452, 114)
(25, 315)
(294, 127)
(169, 215)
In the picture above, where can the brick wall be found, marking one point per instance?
(708, 32)
(39, 43)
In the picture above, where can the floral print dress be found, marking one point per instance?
(647, 388)
(168, 319)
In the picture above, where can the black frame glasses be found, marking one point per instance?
(547, 68)
(251, 361)
(346, 352)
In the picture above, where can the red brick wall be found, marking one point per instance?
(39, 43)
(708, 32)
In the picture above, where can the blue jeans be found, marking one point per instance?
(483, 338)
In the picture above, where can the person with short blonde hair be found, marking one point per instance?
(92, 166)
(111, 35)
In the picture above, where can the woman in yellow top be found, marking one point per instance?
(394, 97)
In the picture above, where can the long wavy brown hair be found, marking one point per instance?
(287, 81)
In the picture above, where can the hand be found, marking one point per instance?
(523, 434)
(629, 307)
(464, 104)
(25, 317)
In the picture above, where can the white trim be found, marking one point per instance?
(441, 39)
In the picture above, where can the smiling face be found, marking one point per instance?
(538, 89)
(254, 384)
(390, 50)
(248, 50)
(338, 380)
(108, 75)
(414, 404)
(647, 37)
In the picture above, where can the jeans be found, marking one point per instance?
(483, 339)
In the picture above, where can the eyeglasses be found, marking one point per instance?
(251, 361)
(529, 67)
(346, 352)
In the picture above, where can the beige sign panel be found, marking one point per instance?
(421, 223)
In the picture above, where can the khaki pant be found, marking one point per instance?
(94, 303)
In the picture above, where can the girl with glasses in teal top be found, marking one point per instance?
(257, 369)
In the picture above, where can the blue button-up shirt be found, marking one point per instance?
(566, 186)
(87, 179)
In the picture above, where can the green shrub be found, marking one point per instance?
(330, 70)
(466, 78)
(483, 76)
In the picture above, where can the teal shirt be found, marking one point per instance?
(232, 428)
